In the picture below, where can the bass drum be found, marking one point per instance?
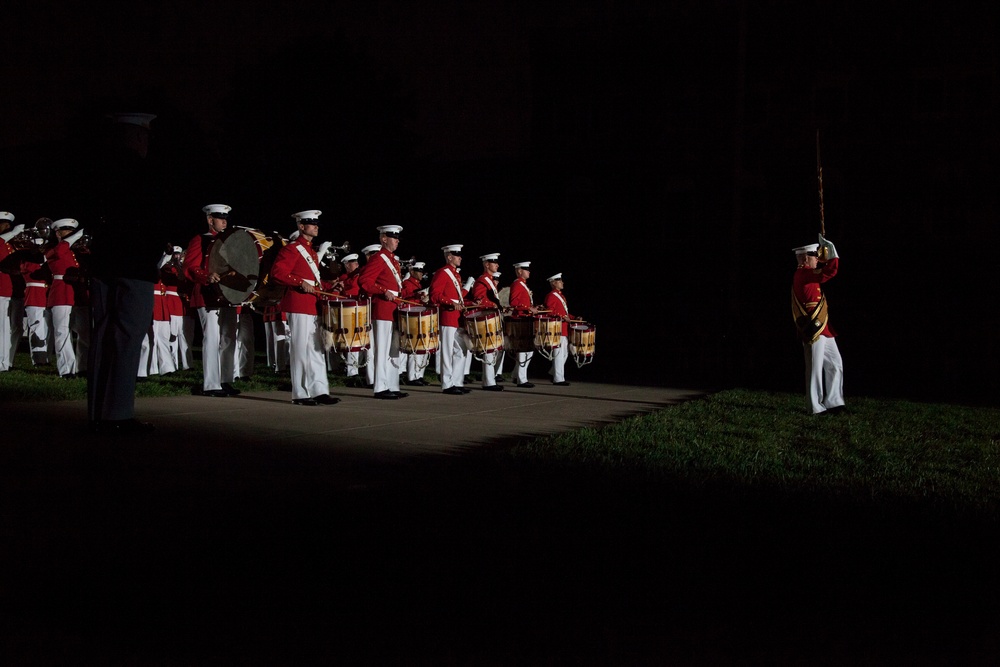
(346, 325)
(243, 257)
(417, 327)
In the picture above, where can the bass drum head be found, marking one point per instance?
(235, 257)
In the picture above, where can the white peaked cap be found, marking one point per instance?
(7, 215)
(522, 265)
(801, 250)
(394, 229)
(558, 276)
(302, 216)
(455, 247)
(419, 266)
(492, 257)
(63, 223)
(178, 249)
(353, 257)
(217, 208)
(369, 249)
(130, 118)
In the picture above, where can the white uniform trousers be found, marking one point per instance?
(490, 368)
(824, 375)
(468, 359)
(306, 360)
(559, 356)
(79, 324)
(245, 343)
(416, 364)
(454, 346)
(6, 349)
(218, 346)
(163, 346)
(62, 339)
(38, 334)
(385, 355)
(16, 323)
(521, 367)
(278, 347)
(185, 355)
(147, 356)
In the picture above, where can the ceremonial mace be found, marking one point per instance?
(822, 215)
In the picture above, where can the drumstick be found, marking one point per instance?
(333, 294)
(409, 303)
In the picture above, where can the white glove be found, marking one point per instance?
(467, 285)
(14, 231)
(324, 248)
(74, 237)
(831, 251)
(163, 260)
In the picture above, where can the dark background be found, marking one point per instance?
(662, 156)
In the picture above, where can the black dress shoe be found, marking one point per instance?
(304, 401)
(455, 391)
(493, 387)
(465, 390)
(526, 385)
(387, 395)
(326, 399)
(68, 376)
(561, 384)
(499, 378)
(400, 394)
(216, 393)
(230, 389)
(121, 427)
(352, 381)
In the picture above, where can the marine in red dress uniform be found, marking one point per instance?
(297, 268)
(555, 301)
(447, 294)
(218, 320)
(823, 364)
(8, 325)
(485, 293)
(521, 306)
(380, 280)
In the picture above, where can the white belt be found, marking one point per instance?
(169, 293)
(35, 285)
(59, 277)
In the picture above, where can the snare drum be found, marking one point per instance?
(547, 334)
(582, 340)
(484, 326)
(519, 334)
(346, 325)
(417, 327)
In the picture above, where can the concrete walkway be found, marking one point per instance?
(361, 427)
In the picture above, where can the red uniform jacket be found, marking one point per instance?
(520, 296)
(446, 292)
(350, 284)
(160, 312)
(36, 284)
(196, 265)
(556, 302)
(171, 280)
(484, 290)
(6, 285)
(410, 288)
(291, 269)
(806, 287)
(62, 262)
(379, 275)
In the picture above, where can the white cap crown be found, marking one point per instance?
(455, 247)
(64, 223)
(557, 276)
(219, 210)
(802, 250)
(491, 257)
